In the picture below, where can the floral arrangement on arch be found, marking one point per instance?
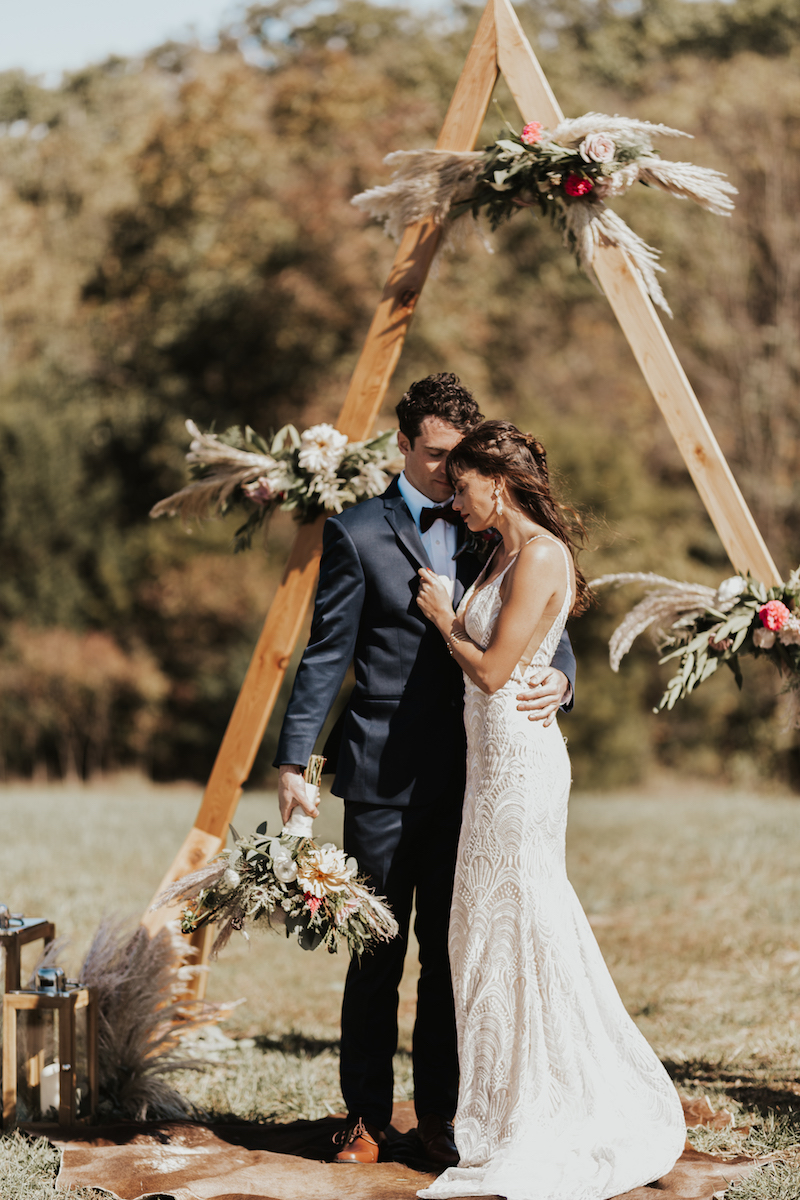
(287, 881)
(307, 473)
(566, 173)
(702, 628)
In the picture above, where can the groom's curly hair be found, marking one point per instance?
(443, 396)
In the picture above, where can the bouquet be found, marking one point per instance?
(566, 173)
(288, 881)
(703, 628)
(308, 473)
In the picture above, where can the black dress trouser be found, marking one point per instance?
(404, 851)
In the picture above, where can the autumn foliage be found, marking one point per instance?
(177, 241)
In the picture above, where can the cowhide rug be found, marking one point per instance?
(282, 1162)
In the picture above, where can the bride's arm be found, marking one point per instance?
(537, 576)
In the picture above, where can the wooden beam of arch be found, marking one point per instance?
(646, 335)
(499, 45)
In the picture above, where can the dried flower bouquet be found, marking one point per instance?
(288, 881)
(308, 473)
(702, 627)
(566, 173)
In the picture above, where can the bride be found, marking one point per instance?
(561, 1097)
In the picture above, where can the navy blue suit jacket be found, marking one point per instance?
(401, 740)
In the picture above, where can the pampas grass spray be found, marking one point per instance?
(227, 468)
(137, 980)
(661, 608)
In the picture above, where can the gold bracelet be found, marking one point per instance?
(458, 635)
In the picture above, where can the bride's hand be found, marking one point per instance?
(433, 599)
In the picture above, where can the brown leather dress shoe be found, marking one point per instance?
(436, 1135)
(359, 1143)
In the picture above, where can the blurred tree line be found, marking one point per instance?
(178, 242)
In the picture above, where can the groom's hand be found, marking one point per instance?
(548, 690)
(292, 792)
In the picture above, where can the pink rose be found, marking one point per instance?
(576, 185)
(597, 147)
(774, 615)
(531, 134)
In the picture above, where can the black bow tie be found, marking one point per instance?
(446, 513)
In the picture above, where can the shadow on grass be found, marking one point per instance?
(296, 1044)
(754, 1089)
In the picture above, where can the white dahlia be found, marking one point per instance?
(324, 870)
(321, 448)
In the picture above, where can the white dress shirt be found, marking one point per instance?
(440, 541)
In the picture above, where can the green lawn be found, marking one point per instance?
(694, 895)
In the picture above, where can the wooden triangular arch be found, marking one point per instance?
(499, 46)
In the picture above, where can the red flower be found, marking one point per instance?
(313, 902)
(774, 615)
(576, 185)
(531, 134)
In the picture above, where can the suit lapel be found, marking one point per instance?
(401, 521)
(467, 568)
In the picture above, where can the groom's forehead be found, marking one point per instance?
(436, 434)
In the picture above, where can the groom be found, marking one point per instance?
(400, 756)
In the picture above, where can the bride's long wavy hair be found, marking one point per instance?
(498, 450)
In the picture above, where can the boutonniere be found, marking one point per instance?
(480, 544)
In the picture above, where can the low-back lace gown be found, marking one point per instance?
(560, 1096)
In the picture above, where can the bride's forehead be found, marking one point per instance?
(468, 476)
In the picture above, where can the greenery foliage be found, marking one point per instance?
(178, 241)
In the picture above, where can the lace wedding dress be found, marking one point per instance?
(561, 1097)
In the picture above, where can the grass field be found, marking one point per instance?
(694, 895)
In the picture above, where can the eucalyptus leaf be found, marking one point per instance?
(740, 621)
(741, 635)
(512, 147)
(709, 668)
(288, 432)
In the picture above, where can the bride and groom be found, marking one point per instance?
(456, 779)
